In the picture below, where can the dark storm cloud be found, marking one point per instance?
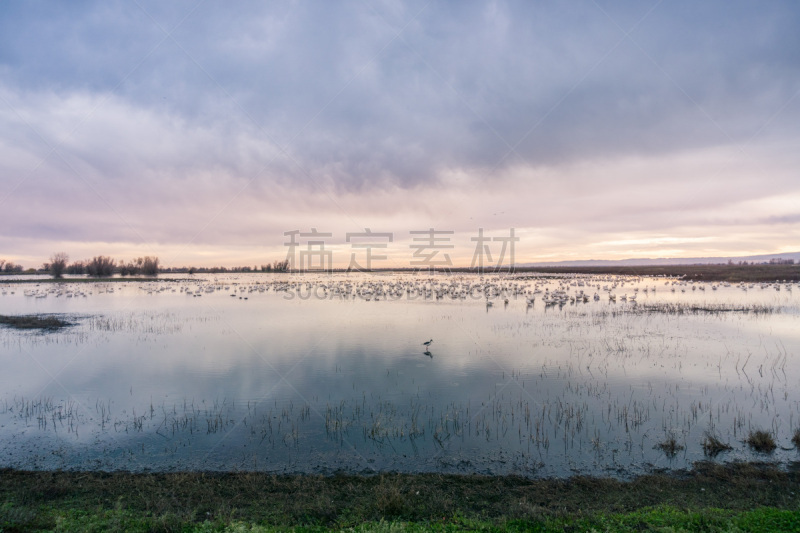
(153, 125)
(362, 95)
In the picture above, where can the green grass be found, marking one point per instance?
(711, 497)
(661, 518)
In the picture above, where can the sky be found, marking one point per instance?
(203, 133)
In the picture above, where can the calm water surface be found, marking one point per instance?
(328, 373)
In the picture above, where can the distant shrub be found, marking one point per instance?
(58, 264)
(100, 266)
(281, 266)
(9, 267)
(128, 269)
(149, 265)
(141, 265)
(78, 267)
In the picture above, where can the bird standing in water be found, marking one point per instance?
(428, 343)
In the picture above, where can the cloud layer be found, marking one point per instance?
(202, 132)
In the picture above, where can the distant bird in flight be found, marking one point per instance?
(428, 343)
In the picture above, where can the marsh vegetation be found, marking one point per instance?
(713, 445)
(761, 441)
(320, 374)
(46, 322)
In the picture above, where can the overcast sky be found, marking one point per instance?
(201, 132)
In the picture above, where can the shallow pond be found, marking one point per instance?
(291, 373)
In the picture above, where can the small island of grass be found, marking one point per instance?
(46, 322)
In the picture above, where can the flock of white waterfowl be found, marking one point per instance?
(551, 291)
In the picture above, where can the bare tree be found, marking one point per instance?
(100, 266)
(127, 269)
(78, 267)
(149, 266)
(11, 267)
(58, 263)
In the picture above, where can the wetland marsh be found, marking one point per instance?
(531, 374)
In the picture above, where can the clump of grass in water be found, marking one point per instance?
(34, 322)
(761, 441)
(712, 446)
(670, 445)
(796, 438)
(713, 309)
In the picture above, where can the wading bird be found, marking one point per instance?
(427, 343)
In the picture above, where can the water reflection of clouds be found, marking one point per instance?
(583, 373)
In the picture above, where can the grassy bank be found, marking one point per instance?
(746, 497)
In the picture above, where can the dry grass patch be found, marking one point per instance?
(713, 446)
(670, 445)
(761, 441)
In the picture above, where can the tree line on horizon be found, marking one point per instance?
(276, 266)
(8, 267)
(103, 266)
